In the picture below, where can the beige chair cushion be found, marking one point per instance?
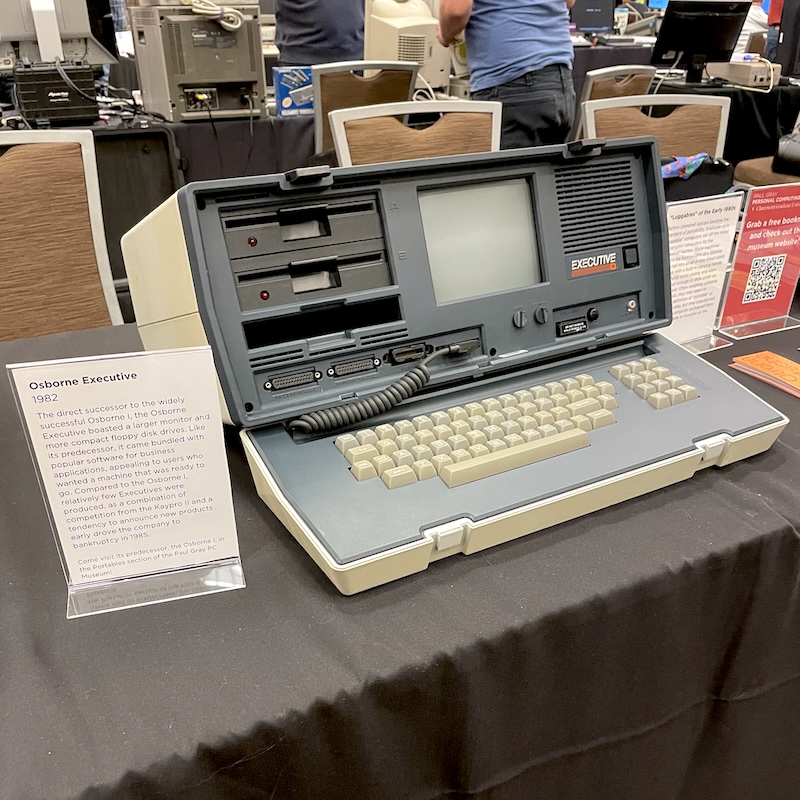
(379, 139)
(758, 172)
(49, 281)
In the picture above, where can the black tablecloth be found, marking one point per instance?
(757, 119)
(651, 650)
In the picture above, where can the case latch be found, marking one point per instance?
(451, 534)
(303, 177)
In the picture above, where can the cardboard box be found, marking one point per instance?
(294, 94)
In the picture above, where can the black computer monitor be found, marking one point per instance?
(695, 32)
(789, 45)
(593, 16)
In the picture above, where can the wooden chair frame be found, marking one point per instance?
(591, 107)
(338, 119)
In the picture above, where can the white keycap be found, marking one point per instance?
(423, 469)
(404, 426)
(386, 447)
(422, 423)
(364, 452)
(385, 432)
(399, 476)
(345, 442)
(363, 470)
(440, 448)
(401, 457)
(421, 453)
(367, 436)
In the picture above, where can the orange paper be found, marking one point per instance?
(772, 365)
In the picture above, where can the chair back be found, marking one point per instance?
(375, 134)
(698, 123)
(622, 81)
(757, 43)
(337, 85)
(55, 273)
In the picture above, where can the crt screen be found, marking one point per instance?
(480, 239)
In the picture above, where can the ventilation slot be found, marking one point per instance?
(253, 59)
(385, 337)
(176, 48)
(411, 48)
(284, 357)
(596, 205)
(146, 16)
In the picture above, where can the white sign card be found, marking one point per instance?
(131, 459)
(701, 237)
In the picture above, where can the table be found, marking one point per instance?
(757, 119)
(648, 650)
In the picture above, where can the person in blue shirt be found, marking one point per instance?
(520, 53)
(319, 31)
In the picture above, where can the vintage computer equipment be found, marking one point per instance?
(696, 32)
(497, 316)
(405, 30)
(74, 31)
(193, 66)
(593, 17)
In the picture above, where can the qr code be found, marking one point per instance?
(764, 278)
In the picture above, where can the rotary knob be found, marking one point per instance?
(520, 318)
(541, 314)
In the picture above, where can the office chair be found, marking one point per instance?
(757, 43)
(628, 79)
(698, 123)
(56, 275)
(337, 85)
(374, 134)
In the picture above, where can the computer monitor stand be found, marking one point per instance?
(694, 74)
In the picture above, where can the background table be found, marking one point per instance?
(757, 119)
(648, 650)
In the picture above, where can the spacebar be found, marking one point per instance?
(503, 460)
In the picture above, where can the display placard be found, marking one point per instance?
(766, 266)
(701, 237)
(131, 460)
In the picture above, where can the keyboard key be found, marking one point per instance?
(570, 385)
(509, 426)
(584, 406)
(496, 444)
(494, 417)
(648, 376)
(511, 412)
(440, 448)
(674, 381)
(440, 461)
(345, 442)
(649, 363)
(634, 366)
(619, 371)
(526, 409)
(476, 450)
(363, 470)
(458, 442)
(402, 457)
(539, 392)
(523, 396)
(644, 390)
(583, 422)
(460, 455)
(544, 418)
(476, 437)
(591, 391)
(367, 436)
(457, 413)
(554, 387)
(404, 426)
(658, 400)
(600, 419)
(560, 399)
(474, 409)
(607, 401)
(606, 388)
(507, 400)
(491, 404)
(559, 413)
(385, 432)
(405, 441)
(458, 474)
(513, 440)
(364, 452)
(444, 431)
(675, 396)
(425, 436)
(386, 447)
(661, 385)
(422, 423)
(527, 423)
(440, 418)
(399, 476)
(689, 392)
(530, 435)
(562, 425)
(423, 470)
(460, 427)
(633, 380)
(661, 372)
(575, 394)
(493, 432)
(548, 430)
(382, 463)
(421, 453)
(584, 380)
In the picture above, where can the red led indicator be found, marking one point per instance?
(265, 295)
(252, 241)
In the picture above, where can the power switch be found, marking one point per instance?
(630, 256)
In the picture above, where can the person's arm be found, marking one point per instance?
(570, 3)
(453, 18)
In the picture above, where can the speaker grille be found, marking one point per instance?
(175, 40)
(411, 48)
(596, 205)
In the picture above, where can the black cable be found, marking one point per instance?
(18, 105)
(252, 135)
(335, 417)
(74, 86)
(216, 138)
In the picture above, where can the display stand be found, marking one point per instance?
(701, 237)
(130, 456)
(766, 266)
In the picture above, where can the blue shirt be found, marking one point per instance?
(509, 38)
(319, 31)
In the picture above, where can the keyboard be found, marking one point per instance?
(462, 444)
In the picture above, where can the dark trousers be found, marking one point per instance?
(538, 107)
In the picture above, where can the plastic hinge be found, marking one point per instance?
(451, 534)
(306, 176)
(713, 447)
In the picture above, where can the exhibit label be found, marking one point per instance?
(131, 459)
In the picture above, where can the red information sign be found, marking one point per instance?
(766, 266)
